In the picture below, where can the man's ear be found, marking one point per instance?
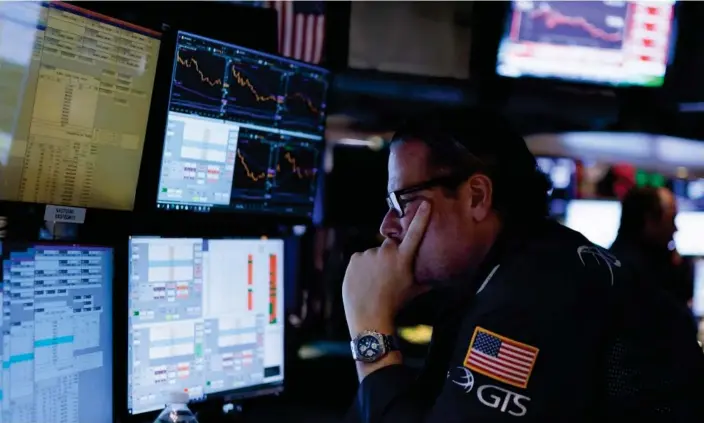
(481, 189)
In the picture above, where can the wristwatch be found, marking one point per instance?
(371, 346)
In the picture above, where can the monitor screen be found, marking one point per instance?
(76, 89)
(206, 317)
(244, 133)
(690, 194)
(689, 237)
(605, 42)
(562, 173)
(56, 333)
(597, 220)
(698, 299)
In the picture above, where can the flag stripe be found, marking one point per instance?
(507, 364)
(495, 363)
(501, 358)
(319, 36)
(298, 39)
(301, 33)
(287, 29)
(480, 364)
(310, 28)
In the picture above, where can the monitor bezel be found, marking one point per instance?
(587, 82)
(150, 171)
(226, 396)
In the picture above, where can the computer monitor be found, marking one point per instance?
(57, 333)
(244, 130)
(205, 317)
(596, 219)
(622, 43)
(689, 238)
(76, 90)
(698, 299)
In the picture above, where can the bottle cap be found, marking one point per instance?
(178, 397)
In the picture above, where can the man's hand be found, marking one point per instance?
(380, 280)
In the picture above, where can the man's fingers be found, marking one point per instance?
(411, 242)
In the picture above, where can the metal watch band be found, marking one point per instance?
(390, 343)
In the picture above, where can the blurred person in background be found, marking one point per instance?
(537, 322)
(645, 241)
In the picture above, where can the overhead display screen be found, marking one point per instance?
(75, 92)
(606, 42)
(244, 133)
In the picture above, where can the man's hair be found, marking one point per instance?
(637, 206)
(473, 140)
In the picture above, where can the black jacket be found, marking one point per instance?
(656, 267)
(554, 329)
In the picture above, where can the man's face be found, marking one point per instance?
(452, 242)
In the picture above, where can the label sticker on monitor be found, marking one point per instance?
(64, 214)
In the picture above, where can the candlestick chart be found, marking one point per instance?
(198, 80)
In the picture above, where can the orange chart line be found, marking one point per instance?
(242, 81)
(251, 175)
(192, 63)
(300, 172)
(307, 101)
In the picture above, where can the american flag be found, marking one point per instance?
(301, 29)
(501, 358)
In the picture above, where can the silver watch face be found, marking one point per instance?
(369, 347)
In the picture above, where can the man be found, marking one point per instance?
(539, 324)
(644, 237)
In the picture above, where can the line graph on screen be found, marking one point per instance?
(198, 80)
(252, 172)
(587, 24)
(296, 169)
(253, 97)
(304, 102)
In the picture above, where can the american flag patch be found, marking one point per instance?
(500, 358)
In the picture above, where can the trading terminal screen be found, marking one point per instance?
(75, 91)
(56, 333)
(698, 299)
(606, 42)
(245, 131)
(206, 317)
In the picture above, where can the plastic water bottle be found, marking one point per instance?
(177, 411)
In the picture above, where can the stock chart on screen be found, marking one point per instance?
(244, 132)
(607, 42)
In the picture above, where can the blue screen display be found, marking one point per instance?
(56, 333)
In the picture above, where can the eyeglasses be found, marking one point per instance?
(471, 162)
(398, 203)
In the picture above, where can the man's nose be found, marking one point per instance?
(390, 227)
